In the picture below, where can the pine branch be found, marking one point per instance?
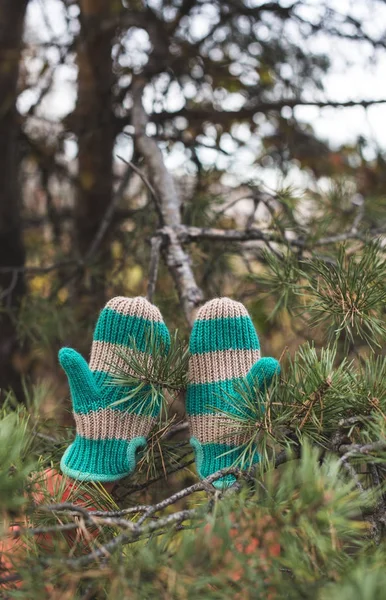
(348, 297)
(151, 371)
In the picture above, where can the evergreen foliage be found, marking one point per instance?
(310, 523)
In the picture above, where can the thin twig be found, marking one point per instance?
(143, 486)
(139, 529)
(354, 449)
(40, 270)
(176, 429)
(155, 242)
(353, 474)
(109, 214)
(145, 180)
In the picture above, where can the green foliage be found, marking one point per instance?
(14, 445)
(344, 296)
(298, 535)
(158, 367)
(280, 280)
(349, 296)
(43, 322)
(366, 581)
(313, 512)
(308, 524)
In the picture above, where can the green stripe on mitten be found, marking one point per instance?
(112, 424)
(224, 368)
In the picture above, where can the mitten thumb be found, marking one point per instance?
(84, 390)
(261, 374)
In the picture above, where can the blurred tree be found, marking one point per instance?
(94, 127)
(12, 252)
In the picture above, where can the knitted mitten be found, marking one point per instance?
(225, 359)
(108, 435)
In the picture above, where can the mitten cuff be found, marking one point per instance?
(101, 460)
(212, 457)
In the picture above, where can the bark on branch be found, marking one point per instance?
(188, 234)
(177, 260)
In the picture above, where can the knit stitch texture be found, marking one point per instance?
(225, 359)
(110, 434)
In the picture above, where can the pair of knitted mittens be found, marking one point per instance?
(224, 368)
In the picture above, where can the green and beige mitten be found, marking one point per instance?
(227, 378)
(112, 424)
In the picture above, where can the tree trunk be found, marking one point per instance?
(12, 14)
(94, 128)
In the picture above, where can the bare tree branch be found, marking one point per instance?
(145, 181)
(212, 114)
(188, 234)
(177, 260)
(354, 449)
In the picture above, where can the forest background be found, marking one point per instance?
(184, 150)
